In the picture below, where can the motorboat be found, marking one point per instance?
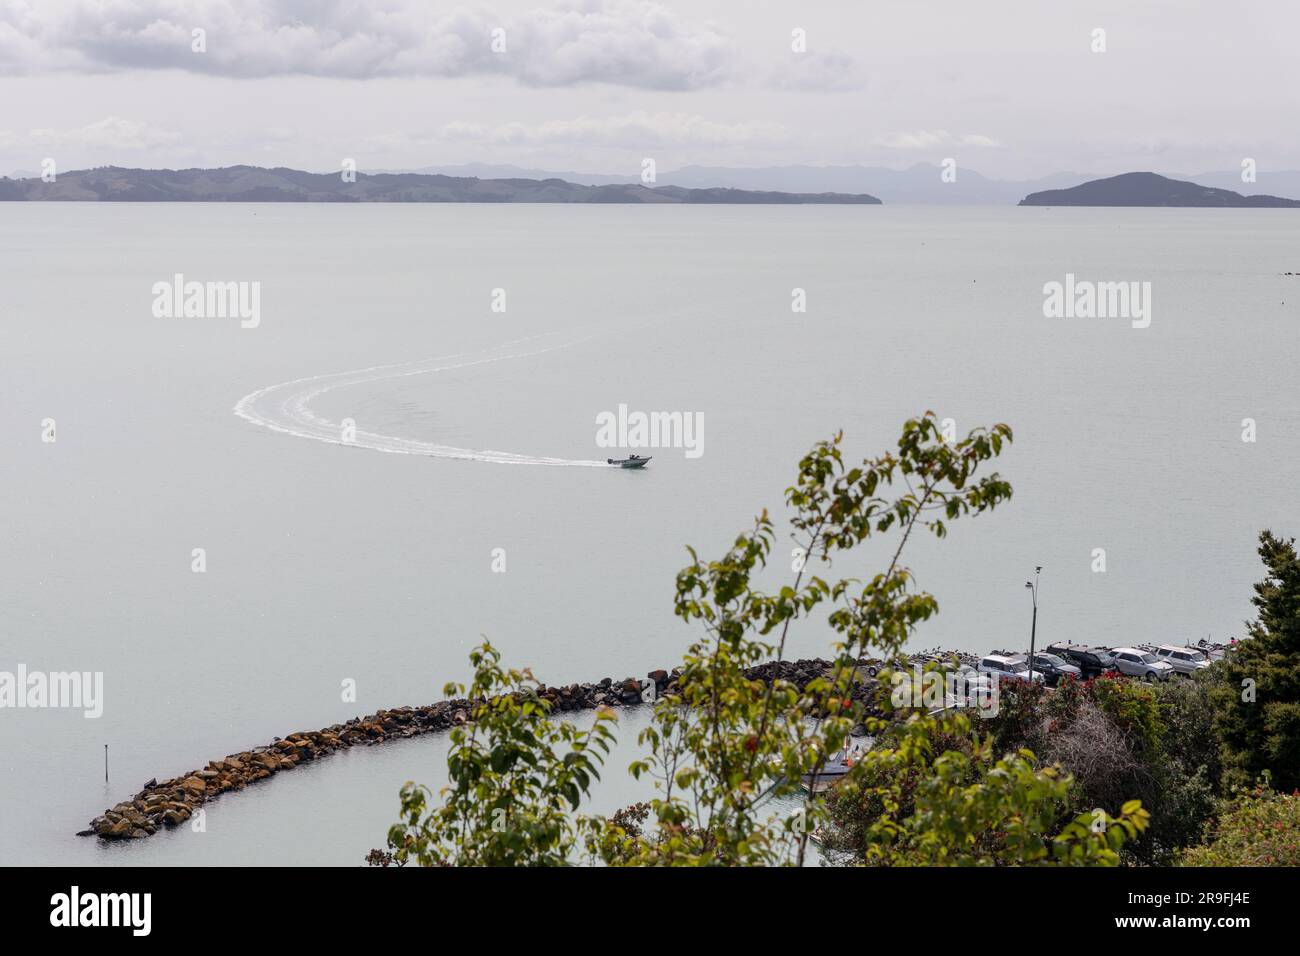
(631, 461)
(831, 773)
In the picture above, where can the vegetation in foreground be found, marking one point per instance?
(1087, 775)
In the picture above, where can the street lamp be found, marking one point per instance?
(1033, 628)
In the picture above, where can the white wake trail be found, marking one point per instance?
(287, 408)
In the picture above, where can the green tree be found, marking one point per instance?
(516, 779)
(1191, 770)
(1257, 708)
(724, 747)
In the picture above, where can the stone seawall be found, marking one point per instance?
(170, 803)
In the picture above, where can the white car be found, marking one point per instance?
(1184, 660)
(1139, 663)
(1015, 668)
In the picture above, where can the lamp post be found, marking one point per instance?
(1033, 627)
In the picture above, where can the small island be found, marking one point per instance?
(255, 184)
(1151, 189)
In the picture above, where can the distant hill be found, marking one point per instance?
(920, 183)
(507, 171)
(1273, 182)
(255, 184)
(1151, 189)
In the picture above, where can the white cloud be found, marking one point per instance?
(632, 42)
(21, 44)
(112, 133)
(934, 138)
(635, 43)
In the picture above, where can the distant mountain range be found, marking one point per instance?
(695, 184)
(920, 183)
(1150, 189)
(254, 184)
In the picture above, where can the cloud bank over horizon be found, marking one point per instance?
(596, 85)
(635, 43)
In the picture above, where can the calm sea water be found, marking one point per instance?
(327, 563)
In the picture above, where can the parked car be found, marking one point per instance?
(1214, 651)
(1013, 668)
(1054, 667)
(1139, 663)
(1184, 660)
(975, 679)
(1091, 661)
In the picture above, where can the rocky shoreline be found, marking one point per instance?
(171, 802)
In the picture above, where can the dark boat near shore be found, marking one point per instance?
(632, 461)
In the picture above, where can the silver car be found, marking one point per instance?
(1012, 668)
(1184, 660)
(1139, 663)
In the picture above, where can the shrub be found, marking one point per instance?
(516, 778)
(1257, 827)
(1113, 736)
(914, 804)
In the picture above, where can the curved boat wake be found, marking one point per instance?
(287, 407)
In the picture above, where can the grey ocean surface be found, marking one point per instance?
(327, 563)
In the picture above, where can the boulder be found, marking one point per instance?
(135, 817)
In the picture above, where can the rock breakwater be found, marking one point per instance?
(169, 803)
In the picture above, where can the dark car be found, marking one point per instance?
(1091, 661)
(1054, 667)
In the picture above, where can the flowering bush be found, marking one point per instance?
(1258, 827)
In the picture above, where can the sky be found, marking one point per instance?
(1012, 88)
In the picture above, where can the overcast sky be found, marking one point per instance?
(1011, 88)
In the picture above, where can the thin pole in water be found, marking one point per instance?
(106, 763)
